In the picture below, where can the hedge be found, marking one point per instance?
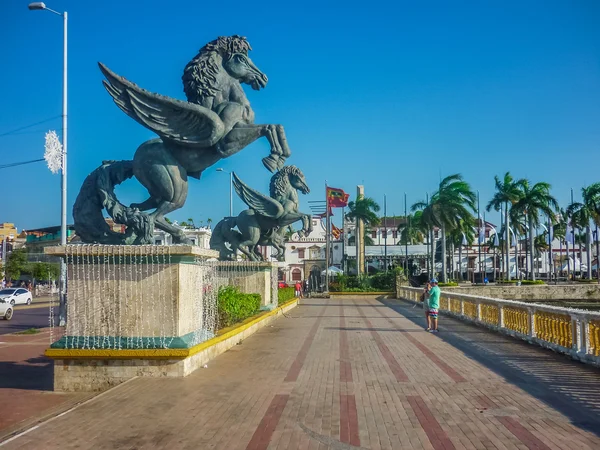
(235, 306)
(286, 295)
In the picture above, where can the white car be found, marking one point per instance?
(16, 296)
(6, 310)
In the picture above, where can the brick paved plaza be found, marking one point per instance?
(342, 374)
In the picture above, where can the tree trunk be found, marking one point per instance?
(588, 250)
(460, 263)
(531, 237)
(444, 262)
(432, 253)
(507, 242)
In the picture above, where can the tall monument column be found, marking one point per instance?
(360, 236)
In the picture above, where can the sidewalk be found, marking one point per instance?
(345, 374)
(26, 382)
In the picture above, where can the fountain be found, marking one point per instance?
(137, 309)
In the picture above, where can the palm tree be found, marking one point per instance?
(459, 237)
(508, 192)
(559, 230)
(534, 200)
(413, 230)
(363, 210)
(449, 205)
(191, 223)
(583, 213)
(209, 221)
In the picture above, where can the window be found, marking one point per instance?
(300, 253)
(280, 275)
(395, 234)
(384, 234)
(157, 242)
(374, 234)
(296, 275)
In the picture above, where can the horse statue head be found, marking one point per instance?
(289, 177)
(224, 55)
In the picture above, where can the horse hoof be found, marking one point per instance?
(271, 163)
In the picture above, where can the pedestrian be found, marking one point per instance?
(434, 305)
(298, 288)
(425, 300)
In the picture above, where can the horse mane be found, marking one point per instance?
(281, 180)
(200, 74)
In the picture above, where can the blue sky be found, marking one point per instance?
(386, 94)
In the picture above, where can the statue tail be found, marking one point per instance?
(224, 234)
(97, 194)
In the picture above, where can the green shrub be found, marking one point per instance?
(384, 281)
(285, 295)
(448, 284)
(235, 306)
(532, 282)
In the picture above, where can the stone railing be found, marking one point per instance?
(571, 331)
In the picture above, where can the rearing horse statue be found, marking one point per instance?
(215, 123)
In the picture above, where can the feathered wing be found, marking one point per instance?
(262, 204)
(175, 120)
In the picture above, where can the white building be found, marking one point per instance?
(198, 236)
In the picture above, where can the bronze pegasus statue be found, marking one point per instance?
(266, 219)
(215, 122)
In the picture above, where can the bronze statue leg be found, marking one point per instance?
(166, 181)
(243, 135)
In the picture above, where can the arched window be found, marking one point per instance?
(296, 275)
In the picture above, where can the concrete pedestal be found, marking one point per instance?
(141, 310)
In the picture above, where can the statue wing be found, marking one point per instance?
(182, 122)
(262, 204)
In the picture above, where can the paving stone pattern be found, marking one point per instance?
(350, 373)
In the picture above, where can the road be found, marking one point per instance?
(26, 317)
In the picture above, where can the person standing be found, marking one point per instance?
(298, 288)
(434, 305)
(425, 297)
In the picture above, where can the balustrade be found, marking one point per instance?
(571, 331)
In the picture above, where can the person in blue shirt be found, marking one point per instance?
(434, 305)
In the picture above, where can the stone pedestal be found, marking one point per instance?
(132, 297)
(143, 310)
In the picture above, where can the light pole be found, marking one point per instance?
(63, 213)
(230, 189)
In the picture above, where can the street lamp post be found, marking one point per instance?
(230, 189)
(63, 218)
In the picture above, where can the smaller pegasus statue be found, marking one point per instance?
(267, 218)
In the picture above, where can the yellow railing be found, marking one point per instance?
(516, 319)
(444, 303)
(554, 328)
(470, 309)
(489, 314)
(455, 306)
(594, 337)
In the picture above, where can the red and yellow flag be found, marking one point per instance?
(337, 198)
(336, 232)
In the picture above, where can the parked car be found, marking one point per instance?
(16, 296)
(6, 310)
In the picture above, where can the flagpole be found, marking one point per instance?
(343, 242)
(406, 239)
(479, 236)
(385, 228)
(327, 223)
(487, 250)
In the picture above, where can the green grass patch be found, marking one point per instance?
(29, 331)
